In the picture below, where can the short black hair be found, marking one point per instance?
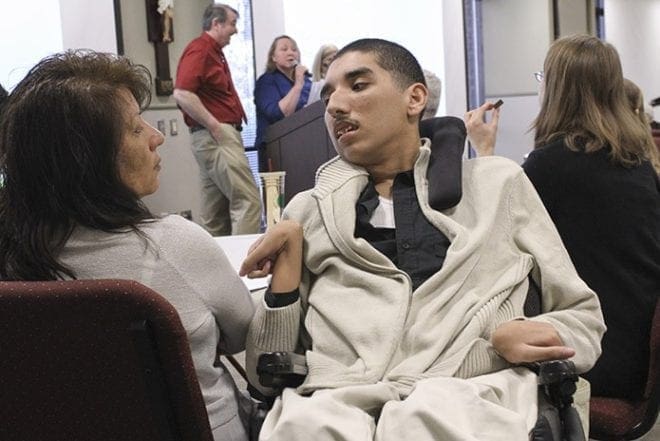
(390, 56)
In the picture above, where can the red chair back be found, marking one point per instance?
(95, 360)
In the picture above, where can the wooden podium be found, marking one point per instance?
(298, 145)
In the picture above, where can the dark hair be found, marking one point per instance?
(392, 57)
(3, 95)
(216, 11)
(3, 98)
(59, 141)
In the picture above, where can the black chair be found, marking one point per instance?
(95, 360)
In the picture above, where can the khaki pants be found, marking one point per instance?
(500, 406)
(230, 199)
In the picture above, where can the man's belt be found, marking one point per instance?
(237, 126)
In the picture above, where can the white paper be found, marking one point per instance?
(236, 248)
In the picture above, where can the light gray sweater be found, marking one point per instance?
(359, 320)
(185, 265)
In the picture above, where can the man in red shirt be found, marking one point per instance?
(212, 109)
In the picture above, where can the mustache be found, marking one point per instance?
(341, 118)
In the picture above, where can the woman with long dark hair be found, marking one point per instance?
(77, 157)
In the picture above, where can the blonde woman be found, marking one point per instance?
(281, 90)
(322, 60)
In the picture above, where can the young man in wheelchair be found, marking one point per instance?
(411, 316)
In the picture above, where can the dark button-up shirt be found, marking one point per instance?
(415, 245)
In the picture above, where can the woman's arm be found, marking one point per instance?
(289, 102)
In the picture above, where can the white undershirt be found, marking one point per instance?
(383, 215)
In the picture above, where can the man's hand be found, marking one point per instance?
(278, 251)
(526, 341)
(216, 133)
(192, 105)
(482, 135)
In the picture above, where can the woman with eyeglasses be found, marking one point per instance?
(595, 166)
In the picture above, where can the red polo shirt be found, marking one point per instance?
(203, 70)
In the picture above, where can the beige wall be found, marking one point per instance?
(179, 186)
(516, 37)
(96, 31)
(179, 179)
(633, 27)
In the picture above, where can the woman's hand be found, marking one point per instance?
(299, 74)
(482, 135)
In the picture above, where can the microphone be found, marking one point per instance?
(307, 74)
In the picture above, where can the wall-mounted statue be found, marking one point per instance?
(160, 30)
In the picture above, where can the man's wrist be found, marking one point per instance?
(279, 300)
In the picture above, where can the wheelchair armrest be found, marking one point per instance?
(554, 371)
(558, 381)
(281, 369)
(288, 369)
(558, 378)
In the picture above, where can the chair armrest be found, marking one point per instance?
(281, 369)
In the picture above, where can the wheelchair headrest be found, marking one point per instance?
(447, 135)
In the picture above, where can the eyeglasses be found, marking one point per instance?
(539, 76)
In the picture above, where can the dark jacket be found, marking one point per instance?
(608, 216)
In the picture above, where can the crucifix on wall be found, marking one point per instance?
(160, 14)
